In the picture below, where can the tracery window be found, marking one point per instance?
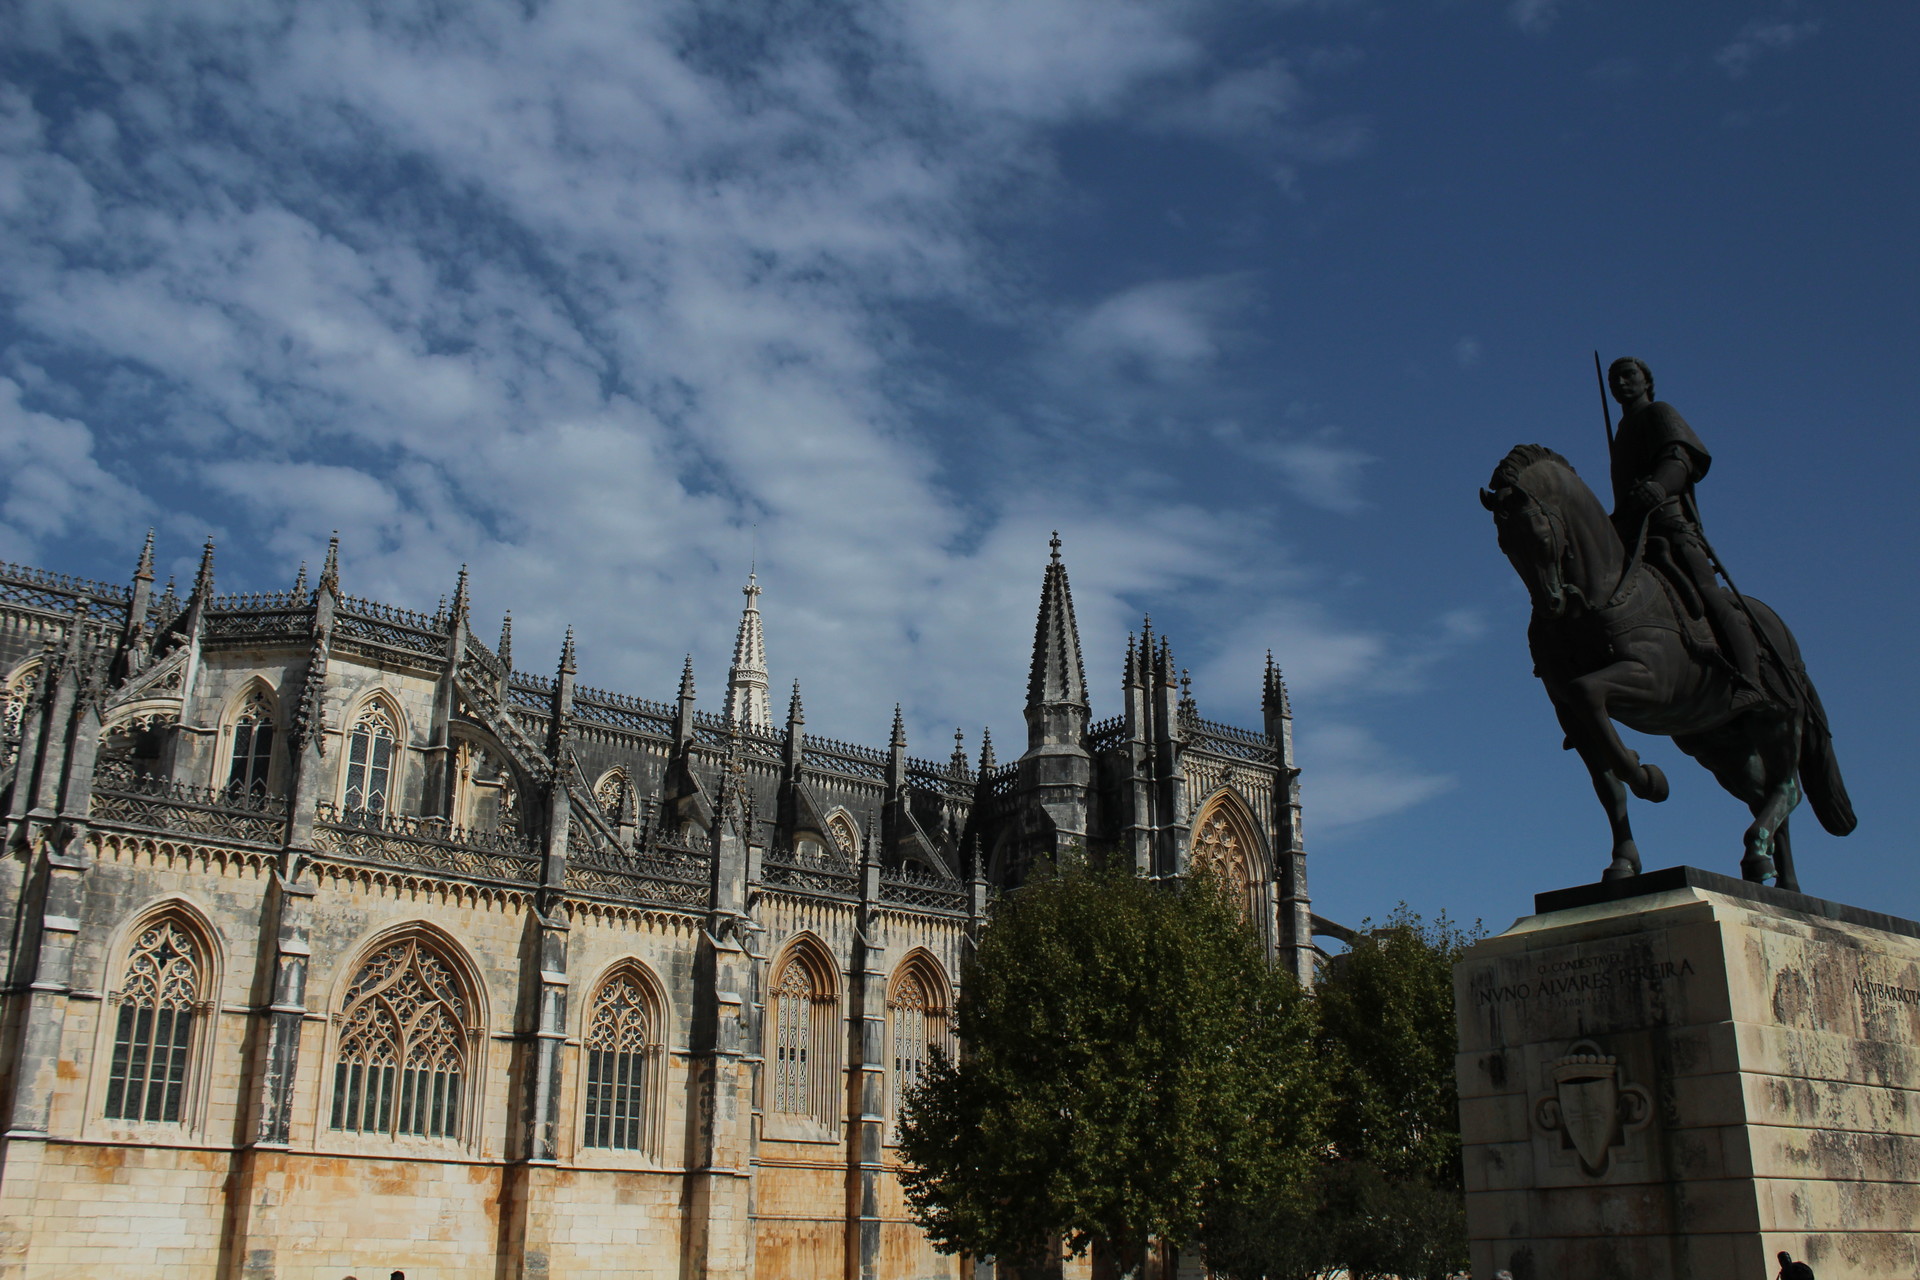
(793, 1042)
(1221, 843)
(610, 793)
(402, 1061)
(622, 1055)
(803, 1034)
(252, 745)
(153, 1033)
(14, 697)
(841, 831)
(910, 1015)
(370, 759)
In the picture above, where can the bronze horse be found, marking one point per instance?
(1611, 641)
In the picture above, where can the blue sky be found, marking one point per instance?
(604, 299)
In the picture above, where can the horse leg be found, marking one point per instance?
(1613, 797)
(1783, 860)
(1772, 767)
(1593, 693)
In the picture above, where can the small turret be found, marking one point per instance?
(747, 678)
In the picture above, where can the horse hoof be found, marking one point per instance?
(1758, 870)
(1653, 784)
(1619, 869)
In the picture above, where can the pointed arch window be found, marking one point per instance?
(14, 697)
(401, 1067)
(1222, 842)
(153, 1031)
(804, 1062)
(252, 755)
(917, 1019)
(610, 793)
(370, 759)
(841, 831)
(623, 1053)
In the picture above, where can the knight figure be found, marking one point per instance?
(1657, 459)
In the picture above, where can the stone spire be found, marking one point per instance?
(747, 679)
(144, 573)
(460, 602)
(506, 642)
(1274, 699)
(300, 582)
(330, 571)
(987, 762)
(1057, 683)
(203, 580)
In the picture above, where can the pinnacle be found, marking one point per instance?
(330, 571)
(203, 580)
(460, 594)
(300, 581)
(566, 654)
(899, 728)
(1058, 675)
(795, 713)
(686, 680)
(145, 570)
(506, 641)
(986, 751)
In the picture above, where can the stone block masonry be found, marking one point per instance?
(1676, 1076)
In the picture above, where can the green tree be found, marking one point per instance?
(1131, 1055)
(1387, 1199)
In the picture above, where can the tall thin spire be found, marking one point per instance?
(144, 573)
(1274, 691)
(747, 679)
(686, 680)
(987, 763)
(506, 642)
(460, 601)
(566, 654)
(795, 713)
(1057, 682)
(330, 571)
(203, 580)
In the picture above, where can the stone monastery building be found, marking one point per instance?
(336, 945)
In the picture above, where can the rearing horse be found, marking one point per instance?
(1610, 642)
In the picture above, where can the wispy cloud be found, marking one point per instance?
(1535, 17)
(580, 293)
(1759, 37)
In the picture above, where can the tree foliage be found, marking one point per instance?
(1131, 1059)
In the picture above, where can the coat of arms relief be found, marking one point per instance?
(1591, 1107)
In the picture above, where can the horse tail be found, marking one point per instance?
(1820, 779)
(1820, 770)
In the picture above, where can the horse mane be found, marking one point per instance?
(1519, 459)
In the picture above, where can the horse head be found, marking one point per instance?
(1534, 498)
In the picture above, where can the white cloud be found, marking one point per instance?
(1762, 35)
(53, 484)
(1348, 777)
(577, 293)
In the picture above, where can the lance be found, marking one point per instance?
(1606, 410)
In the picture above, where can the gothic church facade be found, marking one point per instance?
(337, 945)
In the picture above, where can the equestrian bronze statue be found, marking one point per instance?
(1630, 623)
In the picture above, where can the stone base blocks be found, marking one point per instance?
(1674, 1076)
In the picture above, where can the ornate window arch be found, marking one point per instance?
(803, 1024)
(404, 1062)
(918, 1007)
(250, 740)
(611, 793)
(1226, 840)
(160, 1028)
(373, 759)
(843, 833)
(15, 695)
(623, 1047)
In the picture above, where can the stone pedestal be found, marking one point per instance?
(1675, 1076)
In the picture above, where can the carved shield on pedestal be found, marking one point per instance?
(1591, 1107)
